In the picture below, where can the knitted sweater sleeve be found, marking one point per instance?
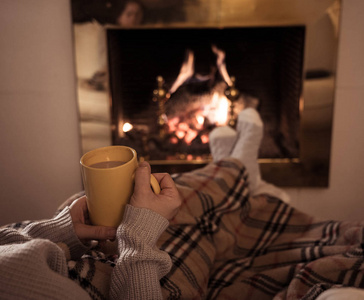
(141, 264)
(33, 266)
(57, 230)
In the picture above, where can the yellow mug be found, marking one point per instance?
(108, 178)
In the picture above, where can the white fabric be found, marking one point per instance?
(94, 105)
(244, 144)
(90, 45)
(222, 140)
(342, 294)
(246, 149)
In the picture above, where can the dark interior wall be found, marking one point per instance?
(106, 11)
(102, 11)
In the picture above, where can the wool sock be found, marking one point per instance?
(221, 141)
(246, 149)
(250, 133)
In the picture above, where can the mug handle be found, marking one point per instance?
(154, 184)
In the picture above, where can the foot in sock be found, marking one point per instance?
(222, 140)
(246, 149)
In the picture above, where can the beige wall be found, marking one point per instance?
(344, 199)
(40, 148)
(39, 129)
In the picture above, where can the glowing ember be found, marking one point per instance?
(127, 127)
(189, 126)
(200, 121)
(173, 140)
(180, 134)
(173, 123)
(183, 126)
(205, 139)
(190, 135)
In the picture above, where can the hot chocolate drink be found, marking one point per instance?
(107, 164)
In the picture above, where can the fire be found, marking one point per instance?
(186, 72)
(217, 110)
(185, 132)
(220, 62)
(205, 139)
(188, 128)
(200, 121)
(173, 140)
(127, 127)
(214, 113)
(193, 125)
(173, 123)
(180, 134)
(190, 136)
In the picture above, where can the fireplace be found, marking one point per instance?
(265, 61)
(267, 64)
(282, 57)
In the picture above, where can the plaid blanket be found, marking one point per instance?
(225, 244)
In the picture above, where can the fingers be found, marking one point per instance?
(80, 202)
(165, 181)
(142, 178)
(166, 203)
(88, 232)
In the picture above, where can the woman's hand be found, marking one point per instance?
(166, 203)
(82, 225)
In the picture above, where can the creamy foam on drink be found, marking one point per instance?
(107, 164)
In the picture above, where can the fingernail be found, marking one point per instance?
(143, 164)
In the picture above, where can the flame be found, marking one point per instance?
(217, 111)
(222, 111)
(186, 72)
(220, 62)
(127, 127)
(200, 121)
(186, 128)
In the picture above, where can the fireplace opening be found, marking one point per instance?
(170, 127)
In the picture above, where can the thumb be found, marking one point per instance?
(89, 232)
(142, 178)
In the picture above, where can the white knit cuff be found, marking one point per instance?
(146, 223)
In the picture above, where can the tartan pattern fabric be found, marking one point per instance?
(225, 244)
